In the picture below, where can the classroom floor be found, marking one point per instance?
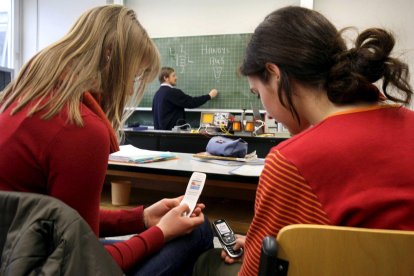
(215, 240)
(238, 213)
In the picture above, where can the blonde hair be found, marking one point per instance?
(103, 53)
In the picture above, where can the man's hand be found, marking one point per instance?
(213, 93)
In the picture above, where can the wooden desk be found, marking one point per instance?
(222, 191)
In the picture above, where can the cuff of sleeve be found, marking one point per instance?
(137, 248)
(155, 238)
(139, 211)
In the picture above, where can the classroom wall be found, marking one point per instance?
(189, 17)
(395, 16)
(45, 21)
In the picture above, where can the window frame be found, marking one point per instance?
(12, 57)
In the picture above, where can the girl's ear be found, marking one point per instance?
(273, 69)
(107, 55)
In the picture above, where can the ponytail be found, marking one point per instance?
(350, 78)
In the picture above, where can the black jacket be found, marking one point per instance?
(168, 106)
(40, 235)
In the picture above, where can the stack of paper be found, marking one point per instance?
(129, 153)
(251, 157)
(248, 170)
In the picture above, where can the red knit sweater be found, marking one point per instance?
(352, 169)
(56, 158)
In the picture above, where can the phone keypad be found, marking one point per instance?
(231, 251)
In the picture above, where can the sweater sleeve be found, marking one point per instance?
(128, 221)
(283, 197)
(121, 222)
(130, 252)
(181, 99)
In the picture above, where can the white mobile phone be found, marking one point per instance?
(194, 188)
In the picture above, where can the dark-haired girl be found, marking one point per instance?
(350, 161)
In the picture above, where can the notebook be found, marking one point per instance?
(129, 153)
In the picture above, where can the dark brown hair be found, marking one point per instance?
(310, 50)
(165, 73)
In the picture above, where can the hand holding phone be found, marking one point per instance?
(226, 237)
(194, 188)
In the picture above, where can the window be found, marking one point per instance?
(6, 33)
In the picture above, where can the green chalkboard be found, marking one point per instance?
(205, 62)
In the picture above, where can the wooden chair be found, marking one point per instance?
(305, 249)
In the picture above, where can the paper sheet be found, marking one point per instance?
(205, 155)
(248, 170)
(258, 161)
(129, 153)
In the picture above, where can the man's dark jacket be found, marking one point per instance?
(168, 106)
(40, 235)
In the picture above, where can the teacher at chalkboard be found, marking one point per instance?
(169, 102)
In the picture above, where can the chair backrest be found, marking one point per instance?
(336, 250)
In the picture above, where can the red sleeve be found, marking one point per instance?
(76, 161)
(121, 222)
(128, 253)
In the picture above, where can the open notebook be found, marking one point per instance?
(129, 153)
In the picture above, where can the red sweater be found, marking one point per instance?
(352, 169)
(56, 158)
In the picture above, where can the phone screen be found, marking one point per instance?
(223, 228)
(195, 184)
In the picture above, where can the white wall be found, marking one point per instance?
(56, 17)
(191, 17)
(45, 21)
(396, 16)
(29, 34)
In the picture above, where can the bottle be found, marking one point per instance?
(243, 118)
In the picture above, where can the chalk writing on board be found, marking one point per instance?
(207, 62)
(206, 50)
(216, 61)
(216, 58)
(182, 58)
(217, 72)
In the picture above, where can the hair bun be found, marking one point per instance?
(359, 66)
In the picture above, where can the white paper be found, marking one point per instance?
(248, 170)
(129, 153)
(258, 161)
